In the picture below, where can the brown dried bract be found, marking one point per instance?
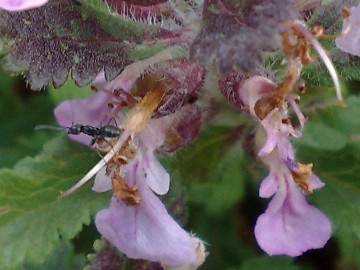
(276, 98)
(141, 114)
(129, 195)
(345, 12)
(301, 175)
(295, 45)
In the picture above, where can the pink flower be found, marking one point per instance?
(289, 226)
(145, 231)
(350, 41)
(277, 131)
(20, 5)
(89, 111)
(155, 175)
(136, 222)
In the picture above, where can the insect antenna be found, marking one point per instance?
(39, 127)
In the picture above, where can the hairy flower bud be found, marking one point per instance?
(180, 78)
(185, 128)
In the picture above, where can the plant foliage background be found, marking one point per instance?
(214, 180)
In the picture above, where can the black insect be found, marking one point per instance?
(101, 133)
(107, 131)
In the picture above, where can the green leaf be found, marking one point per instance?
(263, 263)
(216, 177)
(20, 112)
(339, 169)
(33, 219)
(207, 151)
(347, 67)
(62, 258)
(62, 37)
(348, 240)
(225, 187)
(69, 91)
(340, 200)
(322, 136)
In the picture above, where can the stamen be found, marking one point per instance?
(294, 101)
(326, 59)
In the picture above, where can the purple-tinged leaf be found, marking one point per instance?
(236, 33)
(118, 3)
(63, 37)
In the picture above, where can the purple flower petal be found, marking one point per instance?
(157, 177)
(19, 5)
(146, 231)
(89, 111)
(271, 133)
(268, 186)
(285, 148)
(253, 89)
(315, 181)
(350, 42)
(154, 134)
(290, 226)
(102, 181)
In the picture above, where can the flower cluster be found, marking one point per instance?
(137, 222)
(290, 225)
(152, 104)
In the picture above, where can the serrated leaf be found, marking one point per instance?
(63, 37)
(33, 219)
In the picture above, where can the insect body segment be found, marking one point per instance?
(107, 131)
(75, 129)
